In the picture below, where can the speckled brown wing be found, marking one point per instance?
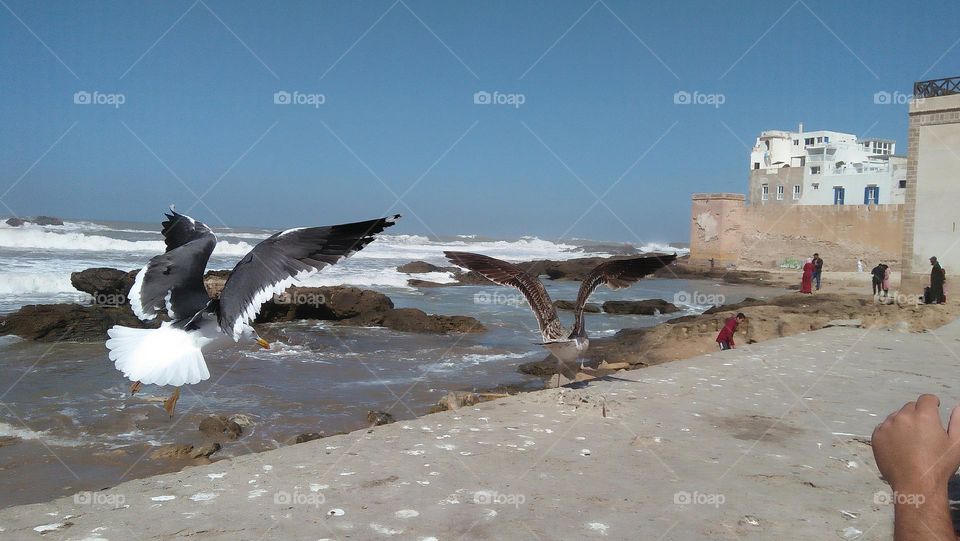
(617, 274)
(508, 274)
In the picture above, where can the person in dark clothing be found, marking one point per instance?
(877, 278)
(817, 269)
(725, 338)
(937, 278)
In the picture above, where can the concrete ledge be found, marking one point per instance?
(770, 441)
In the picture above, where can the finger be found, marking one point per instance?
(928, 402)
(909, 407)
(953, 427)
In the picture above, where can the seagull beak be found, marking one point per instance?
(263, 343)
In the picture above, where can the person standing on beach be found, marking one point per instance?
(817, 269)
(877, 279)
(886, 281)
(859, 265)
(725, 338)
(806, 282)
(937, 278)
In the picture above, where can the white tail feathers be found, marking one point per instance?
(164, 356)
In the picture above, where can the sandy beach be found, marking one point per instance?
(767, 441)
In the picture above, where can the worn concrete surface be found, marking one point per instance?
(770, 441)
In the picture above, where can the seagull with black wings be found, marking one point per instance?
(565, 345)
(172, 283)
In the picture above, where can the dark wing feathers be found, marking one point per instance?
(617, 274)
(179, 229)
(172, 282)
(508, 274)
(284, 258)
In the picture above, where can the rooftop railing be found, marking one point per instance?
(936, 87)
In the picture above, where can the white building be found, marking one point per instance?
(825, 168)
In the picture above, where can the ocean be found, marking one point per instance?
(67, 422)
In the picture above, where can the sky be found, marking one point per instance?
(556, 119)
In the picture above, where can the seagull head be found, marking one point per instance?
(248, 334)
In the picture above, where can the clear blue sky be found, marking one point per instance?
(398, 79)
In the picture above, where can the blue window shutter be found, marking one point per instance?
(866, 195)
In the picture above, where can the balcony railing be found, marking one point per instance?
(936, 87)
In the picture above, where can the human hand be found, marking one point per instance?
(913, 451)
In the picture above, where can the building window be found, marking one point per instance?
(764, 192)
(826, 139)
(779, 193)
(838, 193)
(756, 165)
(871, 195)
(819, 139)
(808, 141)
(903, 184)
(796, 142)
(796, 191)
(815, 170)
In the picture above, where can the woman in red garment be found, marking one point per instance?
(806, 282)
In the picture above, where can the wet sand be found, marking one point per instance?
(770, 441)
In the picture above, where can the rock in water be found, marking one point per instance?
(174, 450)
(305, 437)
(102, 282)
(420, 267)
(378, 418)
(646, 307)
(67, 322)
(414, 320)
(15, 222)
(218, 427)
(47, 220)
(590, 307)
(206, 450)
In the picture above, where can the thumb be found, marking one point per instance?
(953, 427)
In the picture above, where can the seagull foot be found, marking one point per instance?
(171, 402)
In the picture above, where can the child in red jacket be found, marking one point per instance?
(725, 338)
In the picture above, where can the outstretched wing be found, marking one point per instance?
(285, 258)
(617, 274)
(173, 281)
(508, 274)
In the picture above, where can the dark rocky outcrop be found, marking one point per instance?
(647, 307)
(590, 307)
(104, 282)
(414, 320)
(420, 267)
(47, 220)
(379, 418)
(39, 220)
(220, 428)
(67, 322)
(334, 303)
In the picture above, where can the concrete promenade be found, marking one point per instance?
(770, 441)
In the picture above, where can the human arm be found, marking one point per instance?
(917, 457)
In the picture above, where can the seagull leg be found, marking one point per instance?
(135, 388)
(171, 402)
